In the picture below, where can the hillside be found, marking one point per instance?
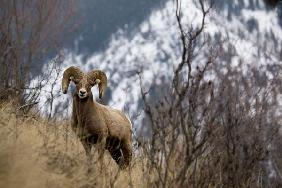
(251, 31)
(203, 95)
(39, 153)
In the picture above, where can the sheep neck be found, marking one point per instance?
(85, 108)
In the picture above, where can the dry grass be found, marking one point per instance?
(37, 153)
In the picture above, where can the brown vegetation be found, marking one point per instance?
(37, 153)
(29, 31)
(216, 126)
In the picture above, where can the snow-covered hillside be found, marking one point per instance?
(253, 32)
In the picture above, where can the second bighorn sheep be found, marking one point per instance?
(95, 123)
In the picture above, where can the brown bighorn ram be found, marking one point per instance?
(95, 123)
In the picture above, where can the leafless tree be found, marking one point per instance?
(211, 132)
(29, 32)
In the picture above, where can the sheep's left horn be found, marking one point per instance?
(100, 78)
(70, 74)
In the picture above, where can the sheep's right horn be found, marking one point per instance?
(100, 78)
(70, 74)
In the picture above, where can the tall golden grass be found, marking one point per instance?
(35, 152)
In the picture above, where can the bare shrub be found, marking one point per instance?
(29, 32)
(216, 124)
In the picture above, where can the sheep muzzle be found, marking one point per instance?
(82, 93)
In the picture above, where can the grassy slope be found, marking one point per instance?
(37, 153)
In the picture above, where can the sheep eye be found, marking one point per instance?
(91, 83)
(75, 81)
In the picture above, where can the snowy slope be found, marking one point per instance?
(253, 33)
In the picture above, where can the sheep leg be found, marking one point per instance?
(101, 145)
(127, 155)
(87, 147)
(116, 155)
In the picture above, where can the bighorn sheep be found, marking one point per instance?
(95, 123)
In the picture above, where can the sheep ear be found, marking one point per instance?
(101, 89)
(70, 74)
(97, 81)
(98, 77)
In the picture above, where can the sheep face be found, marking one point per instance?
(83, 87)
(84, 82)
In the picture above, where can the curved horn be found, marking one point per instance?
(100, 78)
(70, 74)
